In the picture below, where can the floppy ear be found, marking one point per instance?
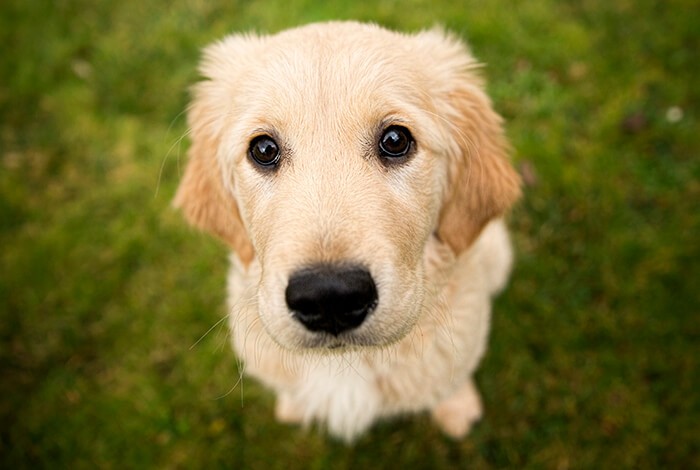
(482, 184)
(201, 196)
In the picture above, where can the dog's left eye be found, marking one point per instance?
(395, 142)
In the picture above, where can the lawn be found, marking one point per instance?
(106, 296)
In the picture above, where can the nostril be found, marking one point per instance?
(330, 298)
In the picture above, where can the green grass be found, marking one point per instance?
(104, 290)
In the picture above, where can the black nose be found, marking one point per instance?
(331, 298)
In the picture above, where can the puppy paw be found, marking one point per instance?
(286, 411)
(456, 414)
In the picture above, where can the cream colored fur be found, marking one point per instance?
(428, 229)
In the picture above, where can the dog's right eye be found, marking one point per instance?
(264, 151)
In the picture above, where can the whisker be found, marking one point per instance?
(239, 381)
(209, 331)
(175, 144)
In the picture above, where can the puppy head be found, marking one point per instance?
(330, 154)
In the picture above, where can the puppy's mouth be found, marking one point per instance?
(335, 344)
(337, 307)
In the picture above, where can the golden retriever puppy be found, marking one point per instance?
(359, 176)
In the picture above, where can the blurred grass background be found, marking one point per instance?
(104, 291)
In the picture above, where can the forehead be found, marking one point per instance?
(316, 79)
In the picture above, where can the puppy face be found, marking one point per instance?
(330, 154)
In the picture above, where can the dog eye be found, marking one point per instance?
(395, 142)
(264, 151)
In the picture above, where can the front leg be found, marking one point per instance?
(457, 413)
